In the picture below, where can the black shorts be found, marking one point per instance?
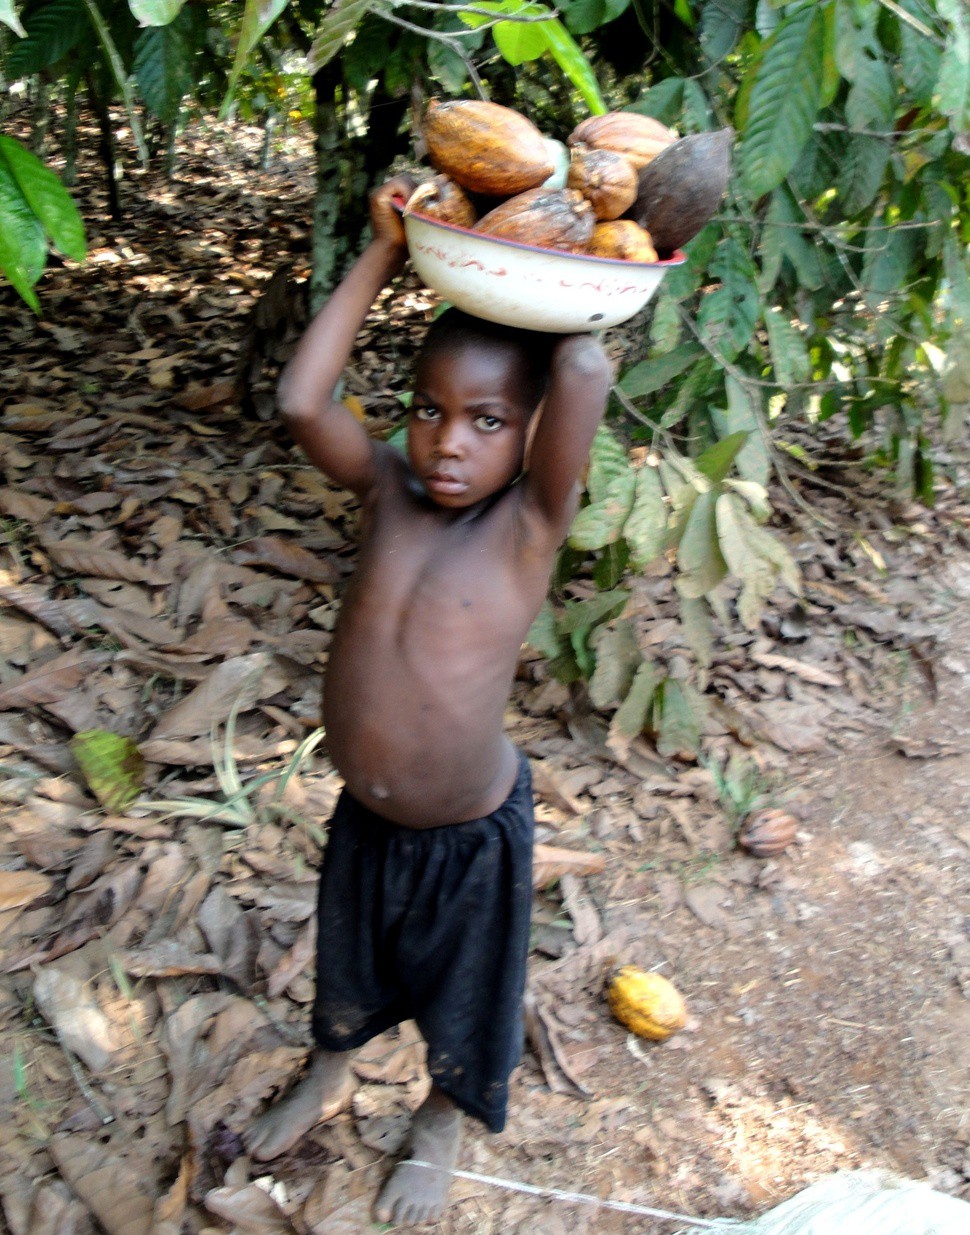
(430, 925)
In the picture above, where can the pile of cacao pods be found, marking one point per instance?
(624, 187)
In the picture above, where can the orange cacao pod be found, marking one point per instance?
(639, 138)
(606, 179)
(767, 833)
(622, 239)
(550, 218)
(442, 199)
(485, 147)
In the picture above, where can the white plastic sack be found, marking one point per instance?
(861, 1203)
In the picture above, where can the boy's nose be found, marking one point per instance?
(449, 444)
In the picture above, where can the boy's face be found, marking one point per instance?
(468, 425)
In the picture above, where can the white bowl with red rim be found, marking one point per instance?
(527, 286)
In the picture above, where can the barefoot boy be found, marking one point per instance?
(426, 888)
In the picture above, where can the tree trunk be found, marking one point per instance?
(106, 146)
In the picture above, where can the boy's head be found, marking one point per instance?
(477, 386)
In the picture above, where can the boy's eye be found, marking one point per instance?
(421, 412)
(489, 424)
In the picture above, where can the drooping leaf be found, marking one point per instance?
(8, 15)
(600, 523)
(631, 716)
(717, 460)
(699, 558)
(112, 766)
(258, 16)
(544, 633)
(789, 355)
(659, 371)
(23, 247)
(872, 96)
(784, 101)
(862, 171)
(645, 530)
(155, 12)
(617, 658)
(50, 202)
(51, 32)
(607, 460)
(728, 314)
(676, 722)
(582, 615)
(698, 628)
(721, 27)
(163, 69)
(952, 95)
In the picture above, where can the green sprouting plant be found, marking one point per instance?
(740, 785)
(238, 807)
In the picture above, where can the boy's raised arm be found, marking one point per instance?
(579, 383)
(332, 438)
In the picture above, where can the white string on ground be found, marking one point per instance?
(582, 1198)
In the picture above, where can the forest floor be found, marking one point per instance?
(166, 557)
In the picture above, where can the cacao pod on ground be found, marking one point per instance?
(638, 138)
(549, 218)
(682, 188)
(767, 833)
(646, 1003)
(623, 240)
(442, 199)
(606, 179)
(485, 147)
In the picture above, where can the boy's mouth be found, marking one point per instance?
(445, 483)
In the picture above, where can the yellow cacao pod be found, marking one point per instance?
(485, 147)
(442, 199)
(606, 179)
(549, 218)
(767, 833)
(638, 138)
(623, 240)
(646, 1003)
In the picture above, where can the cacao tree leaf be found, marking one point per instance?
(544, 633)
(600, 523)
(52, 31)
(872, 95)
(584, 16)
(607, 460)
(919, 59)
(112, 766)
(662, 101)
(717, 460)
(575, 66)
(727, 316)
(258, 16)
(862, 171)
(721, 26)
(699, 558)
(698, 628)
(676, 723)
(163, 68)
(631, 716)
(580, 616)
(789, 355)
(50, 202)
(120, 74)
(659, 371)
(784, 102)
(645, 530)
(155, 12)
(23, 247)
(952, 95)
(8, 15)
(617, 658)
(745, 414)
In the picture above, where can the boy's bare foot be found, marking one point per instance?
(323, 1092)
(414, 1193)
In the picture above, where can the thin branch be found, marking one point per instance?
(521, 18)
(910, 20)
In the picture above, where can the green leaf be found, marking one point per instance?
(575, 66)
(676, 721)
(645, 530)
(753, 461)
(617, 658)
(112, 766)
(662, 101)
(120, 74)
(919, 57)
(52, 31)
(163, 70)
(657, 372)
(155, 12)
(607, 460)
(584, 16)
(872, 96)
(721, 27)
(50, 202)
(631, 716)
(952, 95)
(699, 558)
(698, 628)
(519, 42)
(789, 355)
(8, 15)
(727, 315)
(717, 460)
(544, 632)
(861, 173)
(784, 102)
(23, 248)
(600, 523)
(258, 16)
(580, 616)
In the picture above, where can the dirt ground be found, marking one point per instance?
(164, 554)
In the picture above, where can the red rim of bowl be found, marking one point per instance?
(677, 259)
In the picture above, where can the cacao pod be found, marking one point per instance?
(549, 218)
(639, 138)
(606, 179)
(485, 147)
(622, 239)
(646, 1003)
(767, 833)
(682, 188)
(442, 199)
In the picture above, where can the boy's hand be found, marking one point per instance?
(385, 216)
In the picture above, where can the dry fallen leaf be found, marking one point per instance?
(550, 863)
(19, 888)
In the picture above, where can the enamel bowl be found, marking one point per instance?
(522, 285)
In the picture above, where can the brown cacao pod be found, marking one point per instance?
(550, 218)
(682, 188)
(485, 147)
(639, 138)
(442, 199)
(767, 833)
(622, 239)
(606, 179)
